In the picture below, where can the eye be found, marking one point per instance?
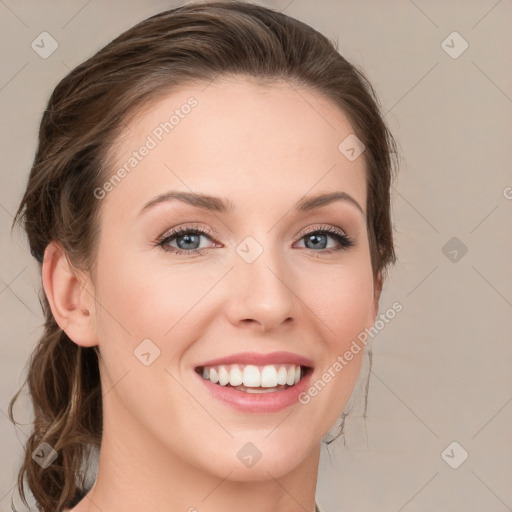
(318, 238)
(187, 239)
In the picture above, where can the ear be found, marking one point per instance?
(70, 300)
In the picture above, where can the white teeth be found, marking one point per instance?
(235, 376)
(269, 377)
(260, 390)
(291, 376)
(282, 376)
(214, 376)
(252, 376)
(223, 376)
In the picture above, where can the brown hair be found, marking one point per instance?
(85, 114)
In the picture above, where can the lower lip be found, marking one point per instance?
(273, 401)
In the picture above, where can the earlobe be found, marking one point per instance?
(71, 304)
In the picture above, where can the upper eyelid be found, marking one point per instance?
(320, 227)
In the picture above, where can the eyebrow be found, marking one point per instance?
(223, 205)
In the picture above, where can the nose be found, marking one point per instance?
(262, 294)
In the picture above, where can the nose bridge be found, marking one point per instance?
(263, 291)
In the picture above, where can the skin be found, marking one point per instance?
(168, 444)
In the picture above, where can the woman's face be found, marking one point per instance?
(253, 283)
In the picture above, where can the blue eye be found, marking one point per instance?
(318, 237)
(188, 240)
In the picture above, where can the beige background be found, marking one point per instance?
(442, 367)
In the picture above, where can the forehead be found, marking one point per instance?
(236, 138)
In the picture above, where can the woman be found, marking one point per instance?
(209, 203)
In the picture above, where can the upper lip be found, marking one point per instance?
(260, 359)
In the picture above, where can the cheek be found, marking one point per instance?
(141, 301)
(146, 300)
(344, 305)
(145, 297)
(342, 299)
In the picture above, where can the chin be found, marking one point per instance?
(257, 461)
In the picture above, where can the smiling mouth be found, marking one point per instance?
(254, 379)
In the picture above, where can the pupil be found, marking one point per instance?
(188, 239)
(314, 239)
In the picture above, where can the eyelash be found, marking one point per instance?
(344, 240)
